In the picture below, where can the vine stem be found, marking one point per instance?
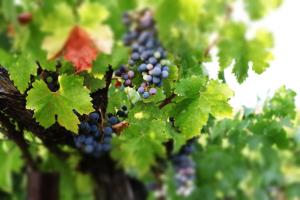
(167, 101)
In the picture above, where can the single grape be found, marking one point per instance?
(94, 117)
(84, 127)
(130, 74)
(156, 71)
(113, 120)
(155, 79)
(107, 131)
(146, 95)
(144, 55)
(165, 74)
(152, 91)
(128, 82)
(165, 68)
(152, 60)
(141, 90)
(157, 54)
(125, 76)
(147, 78)
(135, 56)
(142, 67)
(94, 128)
(149, 66)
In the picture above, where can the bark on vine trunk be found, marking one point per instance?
(42, 186)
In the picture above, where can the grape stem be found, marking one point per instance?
(167, 101)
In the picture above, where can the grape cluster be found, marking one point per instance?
(184, 170)
(126, 74)
(147, 53)
(92, 139)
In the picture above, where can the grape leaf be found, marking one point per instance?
(19, 67)
(57, 24)
(138, 145)
(191, 114)
(91, 14)
(259, 8)
(234, 47)
(79, 49)
(282, 104)
(190, 87)
(49, 105)
(259, 51)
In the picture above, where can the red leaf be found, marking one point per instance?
(79, 49)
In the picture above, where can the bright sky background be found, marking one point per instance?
(284, 70)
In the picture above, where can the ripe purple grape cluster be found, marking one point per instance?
(147, 53)
(92, 139)
(126, 74)
(184, 170)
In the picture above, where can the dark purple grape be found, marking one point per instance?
(107, 131)
(94, 128)
(94, 117)
(84, 127)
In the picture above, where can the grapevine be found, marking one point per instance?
(112, 100)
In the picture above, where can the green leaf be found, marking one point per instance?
(282, 104)
(192, 114)
(235, 48)
(12, 163)
(48, 105)
(190, 87)
(116, 99)
(92, 14)
(259, 51)
(20, 68)
(58, 24)
(139, 144)
(259, 8)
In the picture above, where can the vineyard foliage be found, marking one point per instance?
(250, 154)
